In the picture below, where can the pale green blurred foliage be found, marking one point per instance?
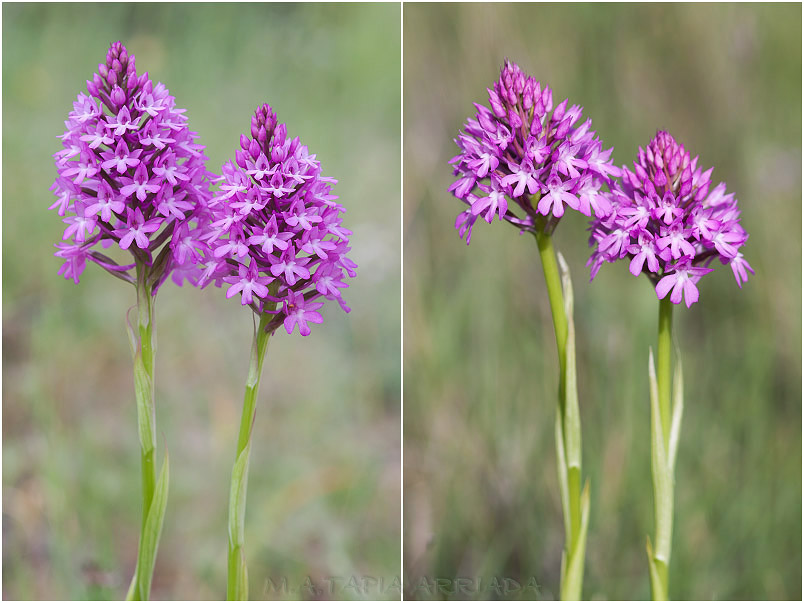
(324, 489)
(481, 494)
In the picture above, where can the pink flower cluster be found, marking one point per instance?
(669, 222)
(275, 234)
(130, 175)
(521, 147)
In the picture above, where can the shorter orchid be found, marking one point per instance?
(274, 236)
(275, 214)
(672, 225)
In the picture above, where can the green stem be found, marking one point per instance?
(663, 485)
(237, 584)
(144, 348)
(569, 440)
(552, 278)
(145, 327)
(664, 362)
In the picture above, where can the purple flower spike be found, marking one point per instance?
(668, 223)
(518, 148)
(131, 175)
(274, 232)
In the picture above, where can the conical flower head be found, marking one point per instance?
(130, 175)
(275, 233)
(668, 223)
(663, 166)
(520, 148)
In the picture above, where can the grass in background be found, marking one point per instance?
(481, 493)
(324, 498)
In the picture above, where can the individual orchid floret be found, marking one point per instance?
(130, 175)
(522, 147)
(669, 223)
(274, 233)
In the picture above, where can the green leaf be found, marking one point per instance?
(563, 572)
(241, 584)
(657, 569)
(237, 588)
(563, 484)
(143, 387)
(132, 335)
(678, 410)
(572, 582)
(237, 498)
(152, 531)
(133, 593)
(572, 415)
(566, 284)
(662, 476)
(659, 558)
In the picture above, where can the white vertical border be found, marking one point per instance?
(401, 300)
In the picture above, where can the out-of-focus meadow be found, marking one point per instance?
(324, 488)
(480, 488)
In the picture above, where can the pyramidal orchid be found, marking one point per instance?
(520, 148)
(524, 161)
(131, 176)
(670, 224)
(131, 180)
(274, 238)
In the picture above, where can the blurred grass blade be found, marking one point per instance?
(152, 531)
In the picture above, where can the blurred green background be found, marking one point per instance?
(324, 490)
(480, 487)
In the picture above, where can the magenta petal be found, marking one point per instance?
(690, 293)
(663, 286)
(636, 264)
(290, 322)
(678, 290)
(313, 317)
(234, 290)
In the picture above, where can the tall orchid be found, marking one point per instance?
(131, 177)
(668, 221)
(541, 159)
(275, 237)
